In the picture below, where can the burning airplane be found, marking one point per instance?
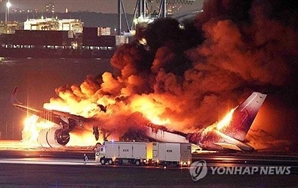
(183, 77)
(227, 134)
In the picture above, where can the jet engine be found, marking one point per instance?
(53, 137)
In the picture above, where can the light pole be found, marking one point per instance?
(8, 5)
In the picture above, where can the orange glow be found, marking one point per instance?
(32, 127)
(224, 122)
(84, 108)
(144, 104)
(150, 109)
(149, 151)
(147, 105)
(85, 139)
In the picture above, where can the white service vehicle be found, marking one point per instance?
(112, 152)
(178, 154)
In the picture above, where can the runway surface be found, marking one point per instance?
(57, 168)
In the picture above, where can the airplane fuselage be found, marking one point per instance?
(232, 137)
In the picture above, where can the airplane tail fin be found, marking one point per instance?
(244, 116)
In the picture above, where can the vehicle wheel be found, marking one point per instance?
(138, 162)
(103, 161)
(110, 161)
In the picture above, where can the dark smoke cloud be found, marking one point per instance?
(195, 74)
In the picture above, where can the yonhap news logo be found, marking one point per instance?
(198, 170)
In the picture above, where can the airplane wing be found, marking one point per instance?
(228, 146)
(58, 135)
(55, 116)
(19, 105)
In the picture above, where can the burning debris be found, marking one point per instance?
(187, 75)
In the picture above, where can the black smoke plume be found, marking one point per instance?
(194, 72)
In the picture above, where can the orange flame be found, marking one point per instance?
(150, 109)
(85, 139)
(224, 122)
(144, 104)
(32, 127)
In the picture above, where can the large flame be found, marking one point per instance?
(150, 109)
(144, 105)
(85, 139)
(223, 123)
(32, 127)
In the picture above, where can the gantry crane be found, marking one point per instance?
(143, 13)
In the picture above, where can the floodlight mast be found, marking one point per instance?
(8, 5)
